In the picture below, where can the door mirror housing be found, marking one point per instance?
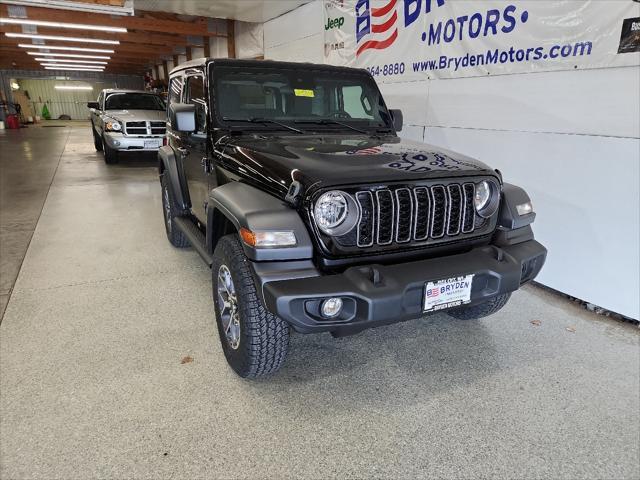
(94, 105)
(183, 117)
(396, 116)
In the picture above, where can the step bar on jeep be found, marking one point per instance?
(195, 237)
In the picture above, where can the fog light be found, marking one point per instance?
(524, 208)
(331, 307)
(116, 143)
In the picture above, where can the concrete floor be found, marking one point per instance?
(104, 309)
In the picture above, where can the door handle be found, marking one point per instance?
(183, 151)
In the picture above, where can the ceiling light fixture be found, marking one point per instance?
(73, 87)
(70, 55)
(62, 39)
(69, 60)
(57, 47)
(79, 69)
(60, 65)
(77, 26)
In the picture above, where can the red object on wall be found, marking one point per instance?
(13, 121)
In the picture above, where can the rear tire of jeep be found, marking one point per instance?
(254, 341)
(170, 211)
(483, 309)
(97, 141)
(110, 155)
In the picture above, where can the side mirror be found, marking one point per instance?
(396, 116)
(183, 117)
(94, 105)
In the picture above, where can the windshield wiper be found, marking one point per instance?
(262, 120)
(326, 121)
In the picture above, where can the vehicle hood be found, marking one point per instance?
(136, 115)
(334, 160)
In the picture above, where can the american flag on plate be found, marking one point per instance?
(376, 28)
(433, 292)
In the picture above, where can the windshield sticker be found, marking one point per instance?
(301, 92)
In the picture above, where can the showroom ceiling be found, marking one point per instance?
(245, 10)
(74, 35)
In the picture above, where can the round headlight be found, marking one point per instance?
(330, 210)
(486, 199)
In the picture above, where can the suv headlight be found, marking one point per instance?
(112, 126)
(335, 213)
(487, 198)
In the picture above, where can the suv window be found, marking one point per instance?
(134, 101)
(298, 96)
(196, 96)
(175, 90)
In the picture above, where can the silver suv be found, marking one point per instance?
(125, 120)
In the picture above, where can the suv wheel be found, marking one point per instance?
(97, 141)
(480, 310)
(254, 341)
(170, 211)
(110, 155)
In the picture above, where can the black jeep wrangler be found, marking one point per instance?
(290, 181)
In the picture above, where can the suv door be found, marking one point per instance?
(195, 146)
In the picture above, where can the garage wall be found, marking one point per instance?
(69, 102)
(570, 138)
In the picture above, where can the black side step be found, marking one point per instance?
(195, 237)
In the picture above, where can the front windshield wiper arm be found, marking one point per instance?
(326, 121)
(262, 120)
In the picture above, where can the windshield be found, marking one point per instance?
(133, 101)
(306, 99)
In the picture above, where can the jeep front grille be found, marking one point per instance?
(415, 214)
(145, 128)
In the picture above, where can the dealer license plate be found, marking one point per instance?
(447, 293)
(151, 144)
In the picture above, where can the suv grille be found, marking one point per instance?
(414, 214)
(145, 128)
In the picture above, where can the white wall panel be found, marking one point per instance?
(302, 22)
(410, 97)
(588, 102)
(586, 195)
(305, 49)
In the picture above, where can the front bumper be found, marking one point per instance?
(119, 141)
(381, 294)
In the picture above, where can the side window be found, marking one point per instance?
(355, 103)
(175, 91)
(196, 96)
(100, 100)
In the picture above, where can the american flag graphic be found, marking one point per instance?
(433, 292)
(365, 151)
(375, 27)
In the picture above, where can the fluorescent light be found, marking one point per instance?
(67, 60)
(73, 87)
(75, 68)
(78, 26)
(70, 55)
(101, 67)
(57, 47)
(62, 39)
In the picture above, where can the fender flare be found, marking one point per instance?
(168, 165)
(508, 218)
(247, 207)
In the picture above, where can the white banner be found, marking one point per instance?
(403, 40)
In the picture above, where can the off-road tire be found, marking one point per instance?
(97, 141)
(110, 155)
(264, 338)
(176, 237)
(480, 310)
